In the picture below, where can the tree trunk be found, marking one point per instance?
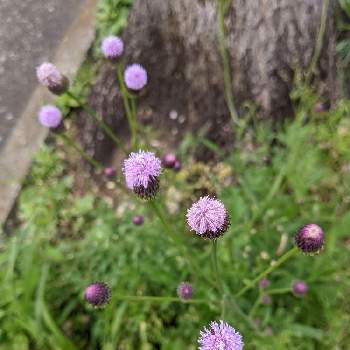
(268, 42)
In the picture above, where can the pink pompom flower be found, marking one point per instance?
(208, 218)
(135, 77)
(142, 171)
(220, 336)
(50, 116)
(112, 47)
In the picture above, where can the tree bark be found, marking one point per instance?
(268, 42)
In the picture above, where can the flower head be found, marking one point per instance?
(310, 238)
(264, 283)
(266, 299)
(135, 77)
(169, 160)
(185, 290)
(112, 47)
(208, 218)
(220, 336)
(177, 166)
(49, 76)
(319, 107)
(299, 287)
(97, 294)
(137, 220)
(109, 172)
(141, 171)
(50, 116)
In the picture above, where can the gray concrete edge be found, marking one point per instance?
(28, 135)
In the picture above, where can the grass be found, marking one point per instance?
(271, 183)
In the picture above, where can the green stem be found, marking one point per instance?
(216, 268)
(279, 291)
(226, 63)
(68, 141)
(160, 299)
(255, 305)
(97, 119)
(243, 315)
(178, 241)
(127, 107)
(134, 119)
(270, 269)
(319, 41)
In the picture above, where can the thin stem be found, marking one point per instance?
(270, 269)
(319, 41)
(97, 119)
(134, 119)
(127, 107)
(226, 63)
(178, 241)
(68, 141)
(161, 299)
(255, 305)
(215, 267)
(279, 291)
(240, 312)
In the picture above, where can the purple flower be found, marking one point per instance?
(135, 77)
(109, 172)
(97, 294)
(299, 287)
(185, 290)
(177, 166)
(309, 238)
(50, 116)
(265, 299)
(112, 47)
(49, 76)
(264, 283)
(220, 336)
(208, 218)
(169, 160)
(137, 220)
(141, 171)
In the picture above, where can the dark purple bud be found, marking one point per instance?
(265, 299)
(97, 294)
(177, 166)
(109, 172)
(310, 238)
(319, 107)
(137, 220)
(299, 287)
(264, 283)
(49, 76)
(169, 160)
(185, 290)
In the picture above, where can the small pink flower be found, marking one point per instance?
(135, 77)
(112, 47)
(220, 336)
(50, 116)
(185, 290)
(208, 218)
(141, 171)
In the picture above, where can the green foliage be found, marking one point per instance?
(112, 17)
(278, 181)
